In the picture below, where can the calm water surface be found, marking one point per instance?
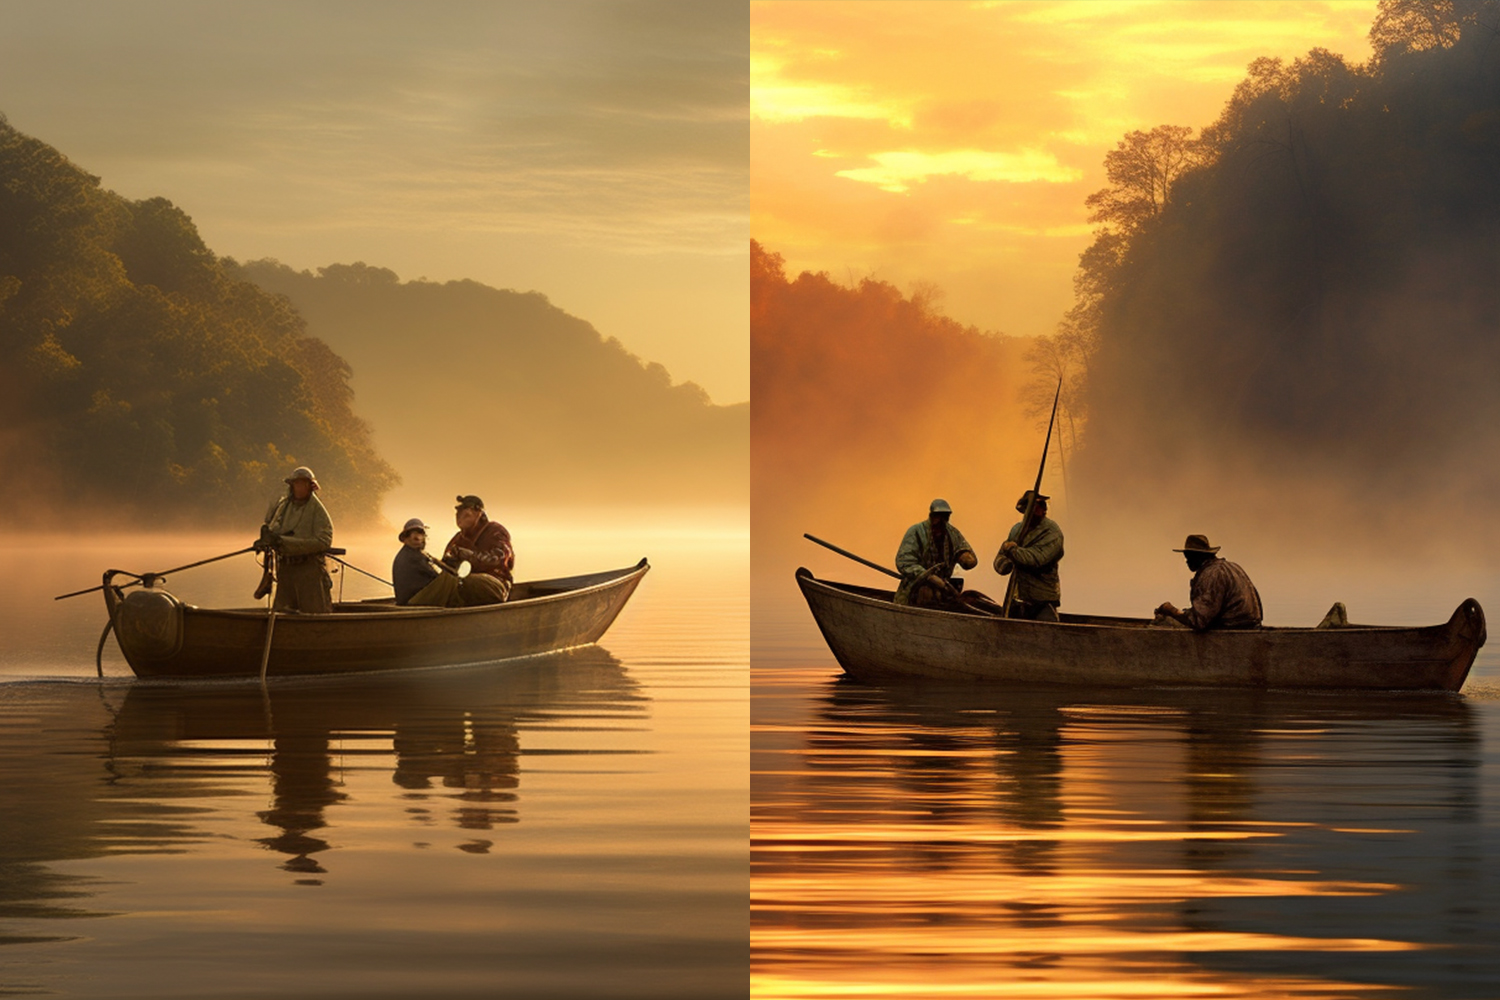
(932, 841)
(566, 826)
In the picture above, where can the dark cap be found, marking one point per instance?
(1197, 543)
(939, 506)
(469, 500)
(415, 524)
(1026, 498)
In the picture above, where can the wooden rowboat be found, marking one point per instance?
(163, 637)
(871, 636)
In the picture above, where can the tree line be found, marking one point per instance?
(139, 380)
(1304, 290)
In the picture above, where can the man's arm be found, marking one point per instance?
(1003, 565)
(315, 532)
(908, 559)
(1043, 547)
(963, 552)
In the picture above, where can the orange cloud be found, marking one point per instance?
(954, 143)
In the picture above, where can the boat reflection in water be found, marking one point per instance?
(150, 769)
(951, 840)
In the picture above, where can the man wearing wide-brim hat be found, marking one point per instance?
(297, 532)
(485, 546)
(1032, 551)
(930, 549)
(1221, 592)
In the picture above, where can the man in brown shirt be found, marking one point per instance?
(1221, 592)
(485, 546)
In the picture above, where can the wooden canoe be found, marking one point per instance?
(871, 636)
(163, 637)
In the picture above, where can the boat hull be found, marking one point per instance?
(542, 617)
(872, 637)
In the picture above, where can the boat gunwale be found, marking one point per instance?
(612, 578)
(864, 595)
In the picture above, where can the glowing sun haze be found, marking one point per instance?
(594, 151)
(954, 143)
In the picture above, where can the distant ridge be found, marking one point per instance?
(497, 390)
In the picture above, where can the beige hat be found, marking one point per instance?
(302, 472)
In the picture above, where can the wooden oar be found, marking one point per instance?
(929, 575)
(1026, 525)
(142, 577)
(850, 555)
(265, 656)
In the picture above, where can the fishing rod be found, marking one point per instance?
(1036, 491)
(356, 569)
(148, 578)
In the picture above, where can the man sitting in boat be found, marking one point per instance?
(927, 555)
(1033, 557)
(485, 546)
(412, 569)
(296, 533)
(1221, 592)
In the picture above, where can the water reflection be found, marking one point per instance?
(87, 771)
(943, 840)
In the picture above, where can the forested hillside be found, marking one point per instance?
(870, 403)
(478, 389)
(143, 384)
(1301, 305)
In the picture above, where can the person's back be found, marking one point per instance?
(1221, 591)
(1223, 597)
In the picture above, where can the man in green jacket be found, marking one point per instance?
(298, 531)
(1033, 558)
(929, 550)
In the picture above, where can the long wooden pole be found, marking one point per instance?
(1026, 525)
(165, 572)
(850, 555)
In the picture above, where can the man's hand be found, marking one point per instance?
(458, 554)
(1169, 609)
(967, 559)
(1008, 546)
(268, 541)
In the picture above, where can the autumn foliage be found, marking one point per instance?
(867, 405)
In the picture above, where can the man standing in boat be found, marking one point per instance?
(929, 550)
(1032, 552)
(1221, 592)
(296, 533)
(485, 546)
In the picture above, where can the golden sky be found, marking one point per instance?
(594, 151)
(953, 143)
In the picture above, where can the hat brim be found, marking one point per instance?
(1202, 552)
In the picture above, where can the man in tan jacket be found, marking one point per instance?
(297, 532)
